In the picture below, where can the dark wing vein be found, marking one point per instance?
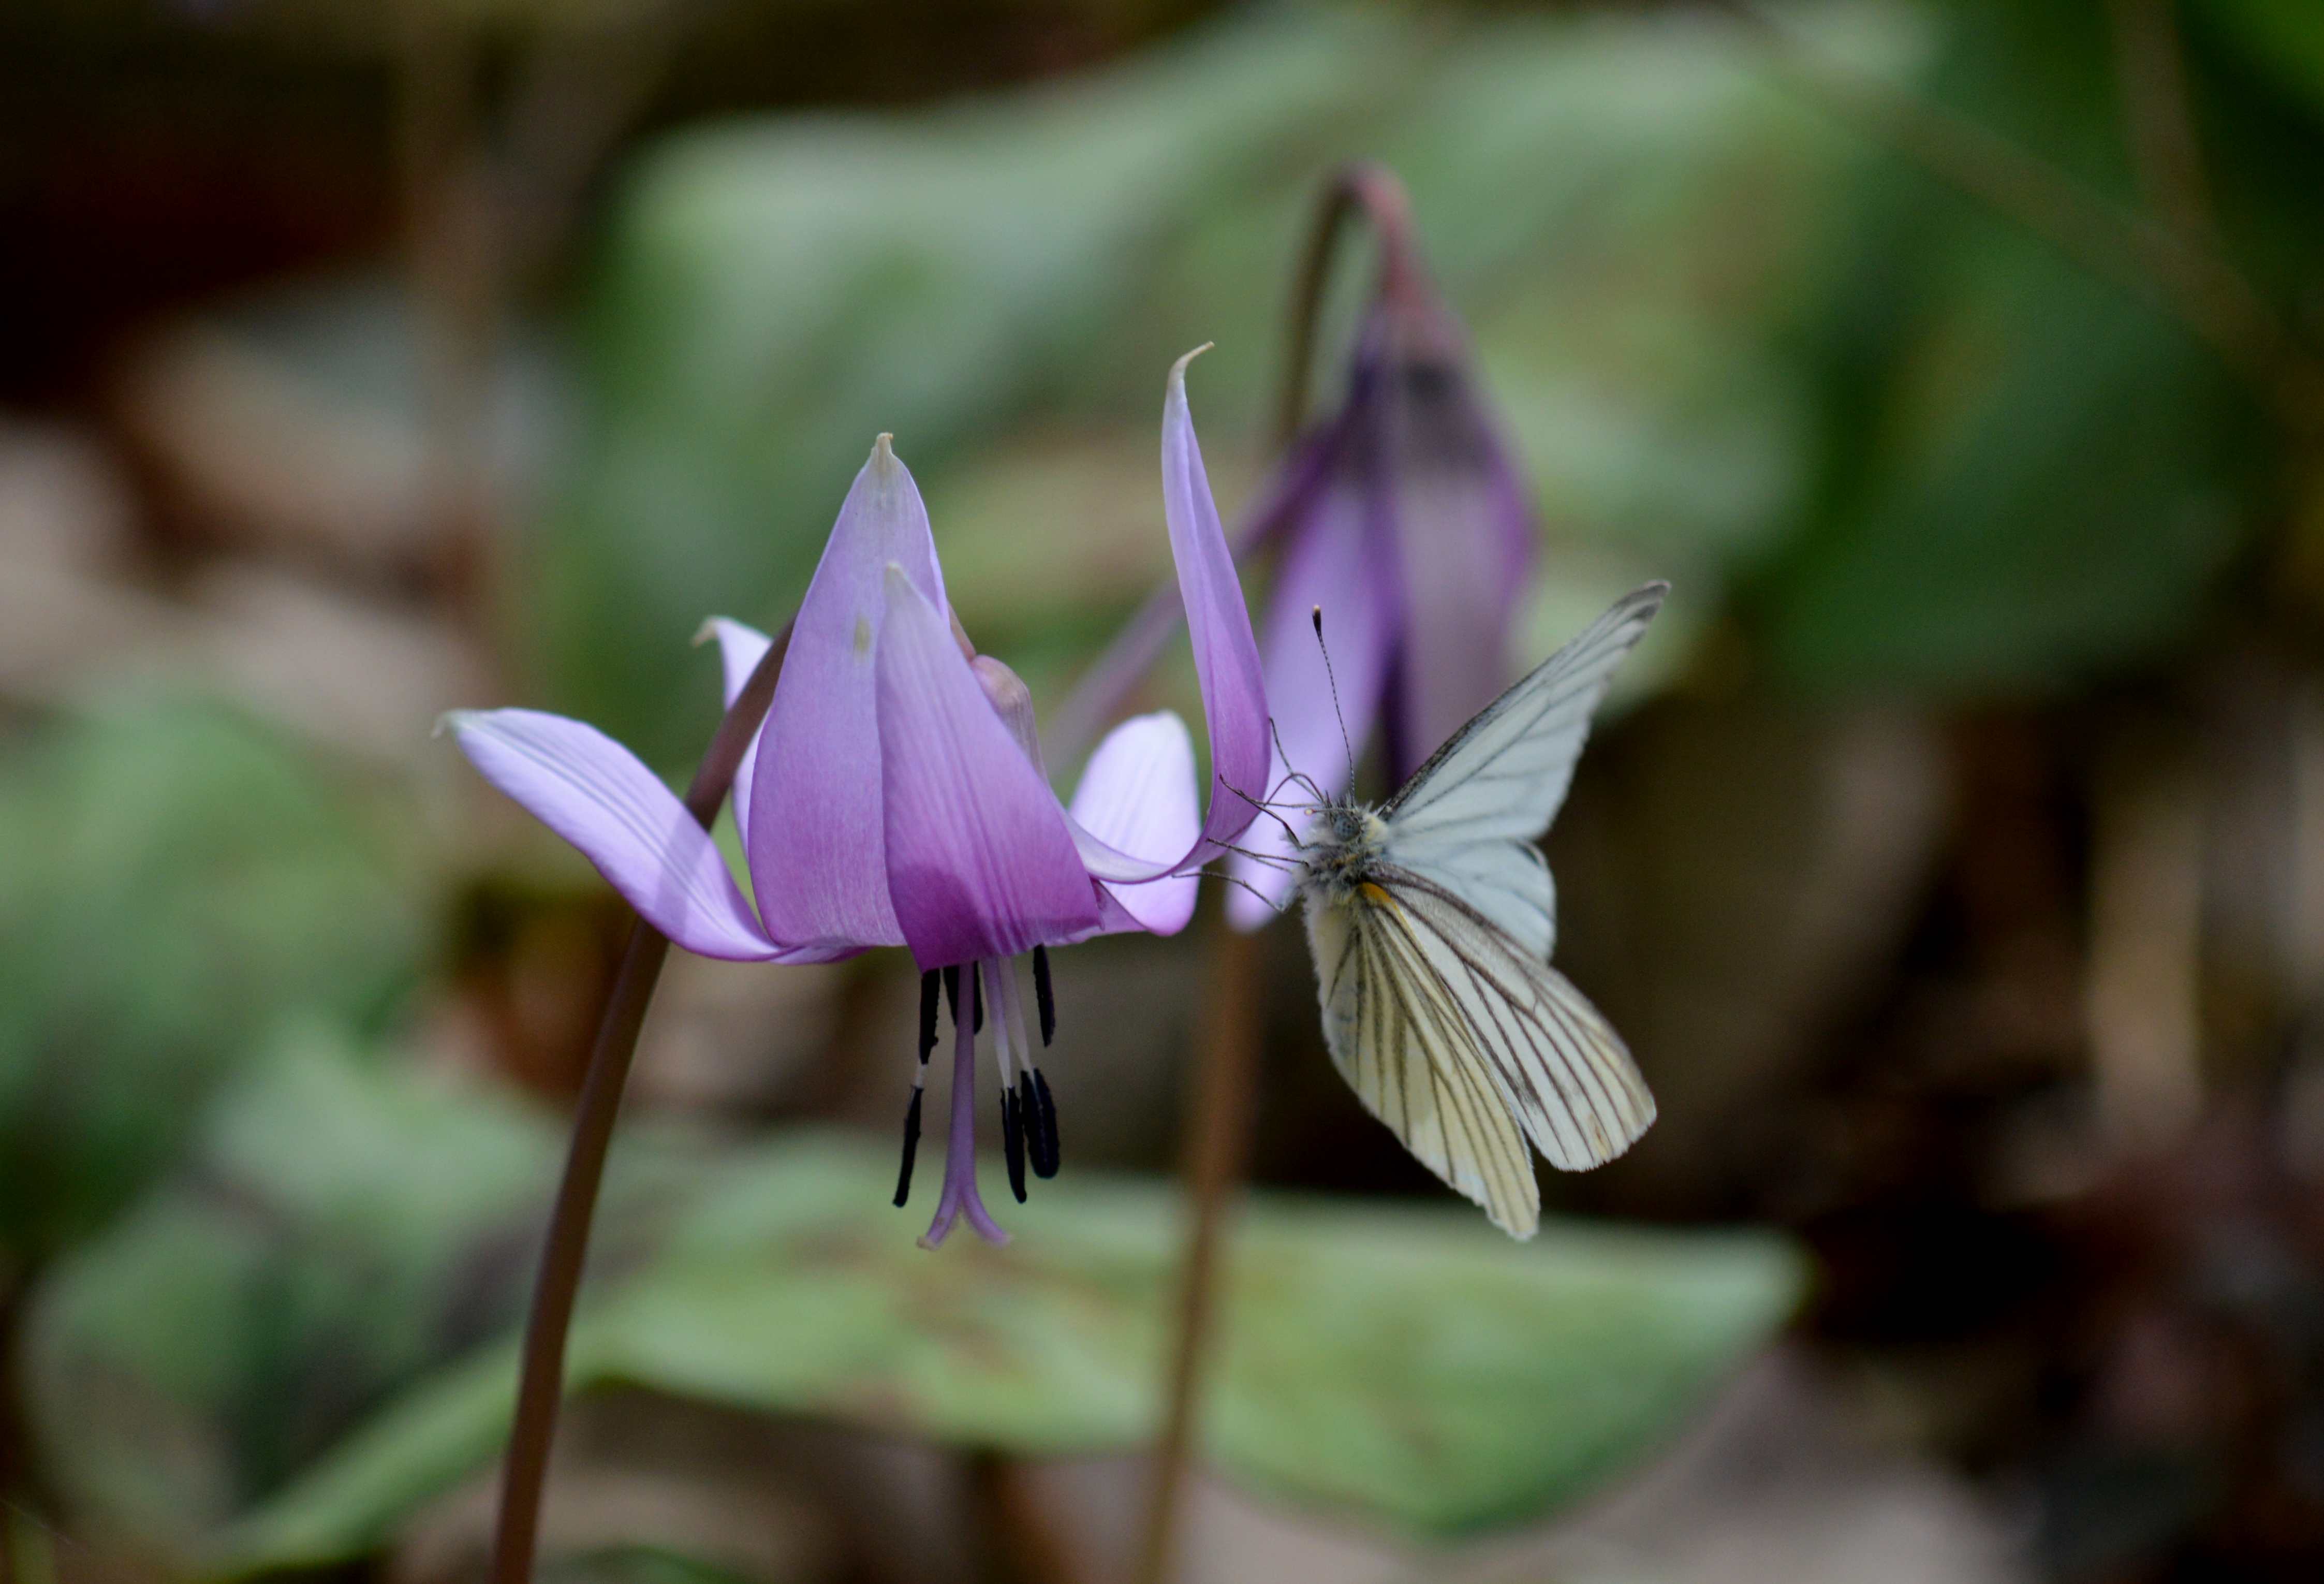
(1566, 1072)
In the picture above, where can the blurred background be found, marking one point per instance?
(1953, 862)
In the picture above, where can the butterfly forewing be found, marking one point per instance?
(1506, 772)
(1400, 1040)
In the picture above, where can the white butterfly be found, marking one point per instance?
(1431, 918)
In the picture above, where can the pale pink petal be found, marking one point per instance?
(740, 650)
(1134, 812)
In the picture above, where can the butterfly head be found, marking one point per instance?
(1340, 848)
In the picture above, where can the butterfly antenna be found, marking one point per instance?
(1337, 713)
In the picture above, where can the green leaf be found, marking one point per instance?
(1628, 210)
(2028, 474)
(342, 1228)
(2283, 38)
(173, 881)
(2041, 480)
(1406, 1363)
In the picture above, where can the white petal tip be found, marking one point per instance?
(883, 451)
(1178, 369)
(725, 629)
(453, 721)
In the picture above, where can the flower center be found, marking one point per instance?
(1029, 1110)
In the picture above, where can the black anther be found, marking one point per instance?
(1044, 995)
(1012, 1142)
(911, 1148)
(1040, 1107)
(927, 1015)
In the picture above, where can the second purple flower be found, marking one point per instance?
(1402, 517)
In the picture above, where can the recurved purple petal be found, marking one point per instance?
(1116, 674)
(593, 792)
(817, 848)
(1324, 568)
(981, 863)
(1226, 655)
(1135, 802)
(740, 650)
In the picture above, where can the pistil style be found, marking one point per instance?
(960, 1196)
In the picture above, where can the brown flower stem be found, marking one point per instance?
(1017, 1540)
(1361, 188)
(2158, 123)
(541, 1382)
(1220, 1105)
(1109, 683)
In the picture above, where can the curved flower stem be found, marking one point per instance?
(542, 1381)
(1220, 1099)
(1360, 186)
(1219, 1108)
(1373, 191)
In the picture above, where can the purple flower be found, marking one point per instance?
(896, 797)
(1401, 519)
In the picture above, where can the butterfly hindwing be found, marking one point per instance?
(1507, 882)
(1564, 1072)
(1404, 1046)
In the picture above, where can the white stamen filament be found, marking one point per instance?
(999, 995)
(1011, 1014)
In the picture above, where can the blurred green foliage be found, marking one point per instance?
(176, 880)
(770, 296)
(2026, 475)
(774, 296)
(1886, 437)
(339, 1228)
(2282, 37)
(279, 1358)
(1909, 444)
